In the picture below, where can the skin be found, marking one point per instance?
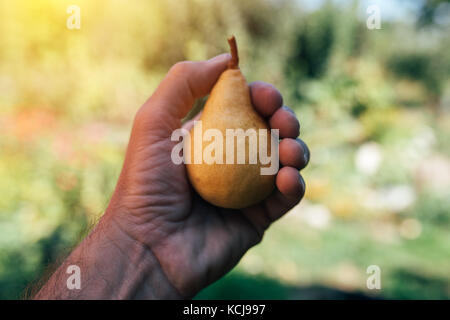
(158, 239)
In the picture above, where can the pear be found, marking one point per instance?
(221, 183)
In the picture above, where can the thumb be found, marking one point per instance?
(185, 82)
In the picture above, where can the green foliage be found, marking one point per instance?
(312, 46)
(421, 67)
(430, 9)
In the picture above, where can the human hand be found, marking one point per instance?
(195, 242)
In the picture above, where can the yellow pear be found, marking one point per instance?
(226, 182)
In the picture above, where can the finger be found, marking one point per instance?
(265, 98)
(293, 153)
(285, 120)
(291, 188)
(188, 125)
(185, 82)
(290, 183)
(279, 204)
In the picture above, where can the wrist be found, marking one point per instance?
(112, 265)
(140, 275)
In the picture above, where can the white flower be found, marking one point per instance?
(395, 198)
(368, 158)
(316, 216)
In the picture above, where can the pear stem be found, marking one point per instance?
(234, 62)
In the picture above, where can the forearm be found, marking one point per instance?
(112, 266)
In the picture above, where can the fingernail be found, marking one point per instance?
(302, 182)
(306, 156)
(306, 153)
(220, 57)
(289, 109)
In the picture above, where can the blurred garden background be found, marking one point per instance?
(374, 107)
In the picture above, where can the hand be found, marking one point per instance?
(195, 242)
(158, 238)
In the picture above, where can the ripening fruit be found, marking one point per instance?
(230, 185)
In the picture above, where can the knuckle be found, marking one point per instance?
(259, 238)
(139, 115)
(180, 67)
